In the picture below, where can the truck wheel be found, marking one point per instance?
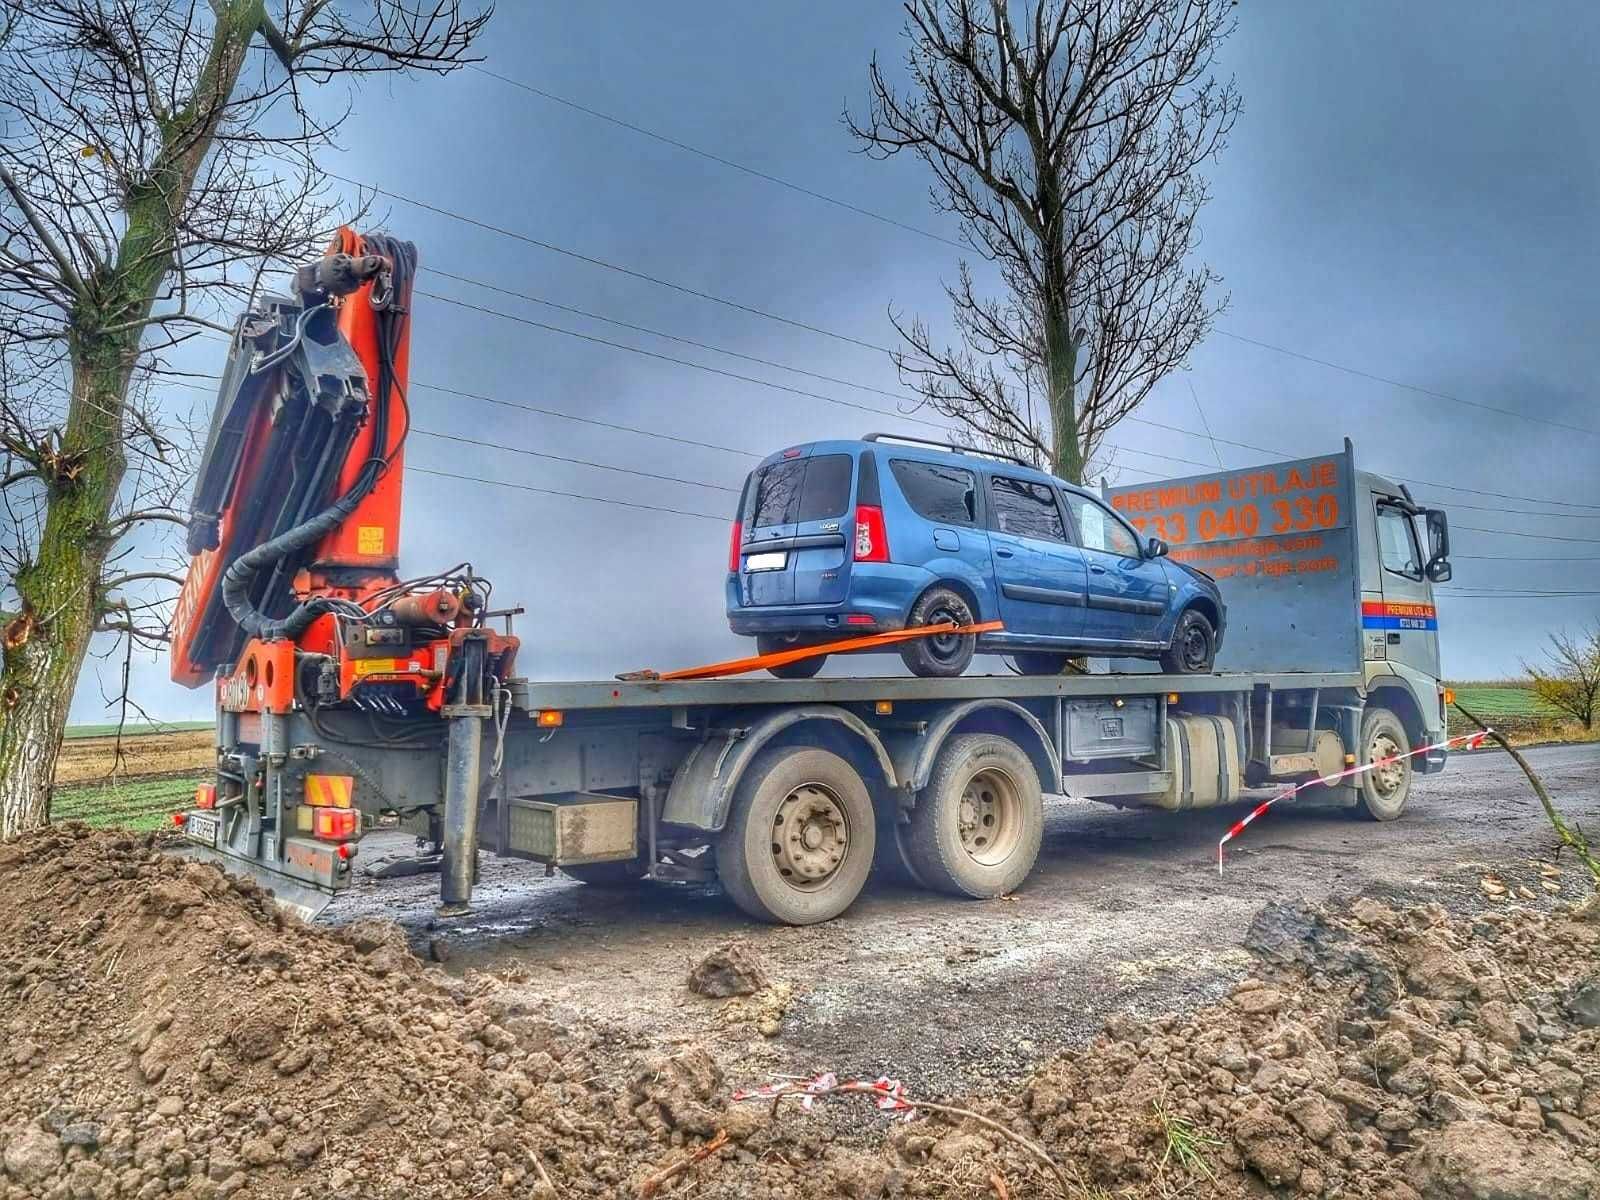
(804, 669)
(1194, 646)
(624, 874)
(1383, 790)
(1038, 662)
(977, 826)
(799, 840)
(941, 655)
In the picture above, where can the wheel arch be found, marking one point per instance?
(703, 786)
(914, 757)
(1399, 700)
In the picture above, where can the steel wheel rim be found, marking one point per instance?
(989, 816)
(1386, 779)
(1194, 645)
(810, 837)
(944, 646)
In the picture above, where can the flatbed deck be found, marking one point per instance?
(576, 695)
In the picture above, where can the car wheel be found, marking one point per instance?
(1383, 790)
(1038, 662)
(977, 827)
(1194, 646)
(804, 668)
(799, 840)
(939, 655)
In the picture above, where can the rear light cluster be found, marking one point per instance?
(335, 824)
(872, 542)
(734, 541)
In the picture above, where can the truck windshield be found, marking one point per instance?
(801, 489)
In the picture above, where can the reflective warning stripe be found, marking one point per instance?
(330, 791)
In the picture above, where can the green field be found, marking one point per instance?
(134, 730)
(1504, 700)
(127, 803)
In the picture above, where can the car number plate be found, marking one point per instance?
(775, 560)
(201, 827)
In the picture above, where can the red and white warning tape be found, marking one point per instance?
(1471, 740)
(890, 1093)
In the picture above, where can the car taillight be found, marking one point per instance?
(733, 545)
(872, 543)
(335, 824)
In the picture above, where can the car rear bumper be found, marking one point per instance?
(882, 591)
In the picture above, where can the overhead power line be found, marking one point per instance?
(1543, 537)
(524, 487)
(717, 158)
(1409, 387)
(577, 462)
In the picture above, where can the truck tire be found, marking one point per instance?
(800, 837)
(803, 669)
(1193, 649)
(1383, 791)
(625, 874)
(978, 824)
(939, 656)
(1040, 662)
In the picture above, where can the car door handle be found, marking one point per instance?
(1093, 570)
(1002, 552)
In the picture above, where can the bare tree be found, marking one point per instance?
(156, 156)
(1570, 678)
(1067, 136)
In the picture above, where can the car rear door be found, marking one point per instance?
(1038, 573)
(1128, 593)
(794, 550)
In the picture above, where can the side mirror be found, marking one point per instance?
(1438, 569)
(1155, 548)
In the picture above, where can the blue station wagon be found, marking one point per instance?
(844, 538)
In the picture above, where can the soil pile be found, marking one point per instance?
(169, 1033)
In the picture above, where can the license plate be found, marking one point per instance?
(202, 827)
(774, 560)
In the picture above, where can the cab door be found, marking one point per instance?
(1128, 594)
(1402, 613)
(1039, 575)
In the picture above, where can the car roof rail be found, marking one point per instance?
(950, 446)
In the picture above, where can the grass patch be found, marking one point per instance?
(123, 803)
(1187, 1145)
(1505, 700)
(133, 729)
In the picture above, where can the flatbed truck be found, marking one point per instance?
(346, 697)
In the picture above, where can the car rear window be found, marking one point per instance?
(947, 495)
(1027, 509)
(802, 489)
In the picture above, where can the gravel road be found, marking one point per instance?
(1126, 911)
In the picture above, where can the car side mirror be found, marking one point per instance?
(1440, 571)
(1155, 548)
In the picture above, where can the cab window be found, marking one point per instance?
(1026, 509)
(1099, 528)
(1397, 542)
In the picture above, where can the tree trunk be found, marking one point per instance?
(60, 587)
(1060, 372)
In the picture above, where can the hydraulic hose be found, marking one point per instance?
(392, 304)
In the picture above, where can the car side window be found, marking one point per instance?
(1099, 528)
(1026, 509)
(947, 495)
(1397, 542)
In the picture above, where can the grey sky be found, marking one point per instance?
(1412, 190)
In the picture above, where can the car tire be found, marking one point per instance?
(804, 668)
(978, 824)
(626, 874)
(1382, 792)
(1039, 662)
(1193, 649)
(939, 656)
(771, 877)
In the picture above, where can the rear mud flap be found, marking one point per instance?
(304, 900)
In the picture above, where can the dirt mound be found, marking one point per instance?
(169, 1033)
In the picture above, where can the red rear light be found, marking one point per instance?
(860, 619)
(734, 541)
(335, 824)
(205, 796)
(346, 851)
(872, 543)
(178, 819)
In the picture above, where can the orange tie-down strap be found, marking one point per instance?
(871, 641)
